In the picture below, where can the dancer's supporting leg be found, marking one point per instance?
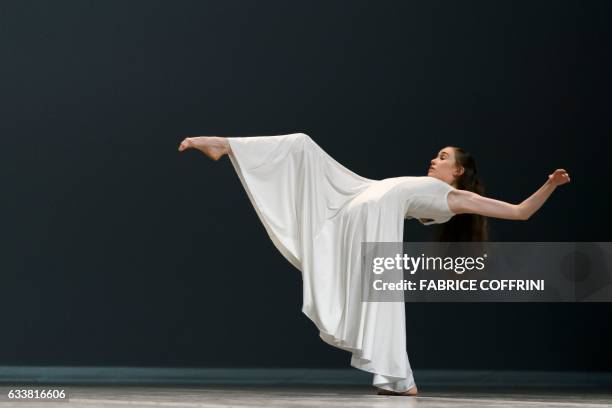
(212, 146)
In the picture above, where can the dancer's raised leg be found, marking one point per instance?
(214, 147)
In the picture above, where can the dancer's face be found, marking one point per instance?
(444, 166)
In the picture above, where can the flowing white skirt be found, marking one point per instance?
(317, 213)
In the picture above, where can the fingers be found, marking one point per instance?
(560, 176)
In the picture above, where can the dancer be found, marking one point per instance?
(317, 213)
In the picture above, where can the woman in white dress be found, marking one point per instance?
(317, 213)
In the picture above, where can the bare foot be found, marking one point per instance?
(212, 146)
(411, 392)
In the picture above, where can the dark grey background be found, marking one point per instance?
(118, 250)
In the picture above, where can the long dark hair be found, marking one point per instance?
(466, 227)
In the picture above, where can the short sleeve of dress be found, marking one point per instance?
(432, 207)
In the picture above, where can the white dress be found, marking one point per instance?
(317, 213)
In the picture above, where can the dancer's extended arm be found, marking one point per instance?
(462, 201)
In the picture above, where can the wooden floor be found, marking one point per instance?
(271, 396)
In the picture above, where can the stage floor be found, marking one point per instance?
(270, 396)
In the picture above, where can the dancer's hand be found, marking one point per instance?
(559, 177)
(187, 143)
